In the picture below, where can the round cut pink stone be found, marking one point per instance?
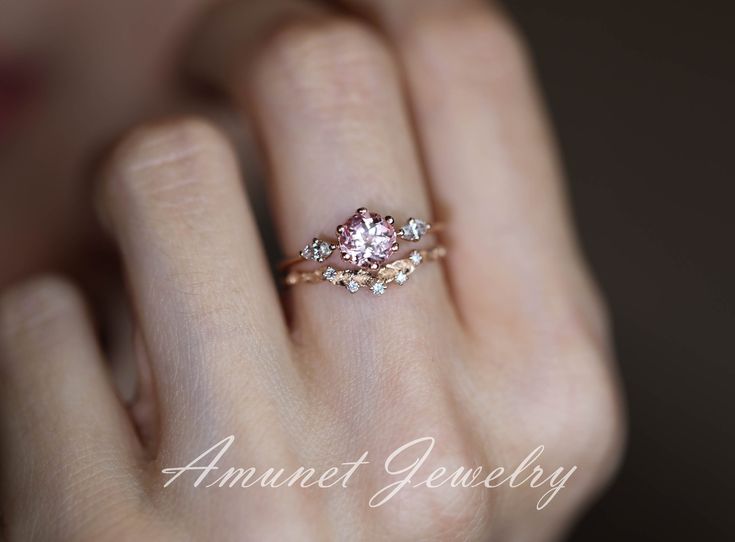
(367, 238)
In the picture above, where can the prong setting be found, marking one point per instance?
(378, 287)
(367, 238)
(367, 241)
(414, 229)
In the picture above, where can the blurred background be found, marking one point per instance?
(641, 93)
(642, 96)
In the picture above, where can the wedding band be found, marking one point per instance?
(376, 281)
(368, 241)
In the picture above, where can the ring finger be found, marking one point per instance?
(326, 100)
(324, 95)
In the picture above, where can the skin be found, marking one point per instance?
(408, 108)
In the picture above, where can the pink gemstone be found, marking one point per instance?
(367, 238)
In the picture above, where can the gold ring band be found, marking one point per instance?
(369, 242)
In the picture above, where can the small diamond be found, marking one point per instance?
(401, 278)
(352, 286)
(378, 288)
(415, 257)
(329, 273)
(323, 250)
(414, 229)
(317, 250)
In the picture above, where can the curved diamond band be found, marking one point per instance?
(377, 281)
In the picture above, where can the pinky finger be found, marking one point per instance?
(68, 448)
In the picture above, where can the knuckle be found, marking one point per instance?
(173, 161)
(451, 514)
(444, 447)
(578, 414)
(330, 64)
(605, 429)
(598, 436)
(451, 511)
(38, 312)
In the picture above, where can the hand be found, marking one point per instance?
(499, 350)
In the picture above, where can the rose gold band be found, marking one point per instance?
(353, 280)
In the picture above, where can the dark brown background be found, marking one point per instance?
(642, 94)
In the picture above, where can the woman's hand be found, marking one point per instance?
(499, 350)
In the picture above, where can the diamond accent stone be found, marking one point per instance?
(415, 257)
(378, 288)
(414, 229)
(329, 273)
(317, 250)
(401, 278)
(352, 286)
(366, 239)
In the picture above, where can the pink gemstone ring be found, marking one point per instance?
(368, 241)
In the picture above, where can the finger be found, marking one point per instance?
(208, 313)
(490, 160)
(68, 446)
(326, 99)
